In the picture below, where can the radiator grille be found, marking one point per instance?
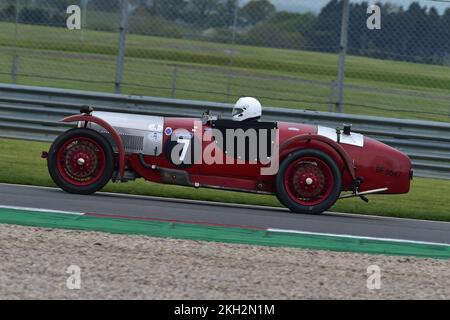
(132, 143)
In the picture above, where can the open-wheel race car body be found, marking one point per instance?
(307, 167)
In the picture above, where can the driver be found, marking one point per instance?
(247, 109)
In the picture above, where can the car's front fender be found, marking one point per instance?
(118, 141)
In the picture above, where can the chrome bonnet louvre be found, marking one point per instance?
(132, 143)
(139, 133)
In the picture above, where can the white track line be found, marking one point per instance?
(232, 205)
(40, 210)
(356, 237)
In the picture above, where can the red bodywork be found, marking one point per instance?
(375, 165)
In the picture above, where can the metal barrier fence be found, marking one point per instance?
(285, 52)
(32, 113)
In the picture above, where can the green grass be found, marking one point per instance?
(60, 58)
(428, 198)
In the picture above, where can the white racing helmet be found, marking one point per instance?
(247, 108)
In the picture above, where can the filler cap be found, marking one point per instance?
(347, 129)
(86, 109)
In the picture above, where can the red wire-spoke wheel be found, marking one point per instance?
(308, 181)
(81, 161)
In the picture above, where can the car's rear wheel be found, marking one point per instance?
(308, 181)
(81, 161)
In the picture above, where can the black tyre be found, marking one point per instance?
(81, 161)
(308, 181)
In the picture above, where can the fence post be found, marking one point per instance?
(15, 59)
(121, 50)
(332, 97)
(174, 81)
(84, 18)
(15, 68)
(342, 55)
(233, 50)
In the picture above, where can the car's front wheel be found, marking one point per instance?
(81, 161)
(308, 181)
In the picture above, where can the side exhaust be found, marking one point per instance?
(362, 194)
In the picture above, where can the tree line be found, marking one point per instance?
(414, 33)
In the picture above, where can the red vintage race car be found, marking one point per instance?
(307, 167)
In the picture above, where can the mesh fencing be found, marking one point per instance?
(218, 50)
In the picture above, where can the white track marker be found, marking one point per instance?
(40, 210)
(356, 237)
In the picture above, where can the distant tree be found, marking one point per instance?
(434, 43)
(415, 42)
(58, 20)
(105, 5)
(283, 30)
(270, 35)
(10, 2)
(8, 13)
(60, 5)
(389, 42)
(169, 9)
(227, 10)
(257, 10)
(198, 12)
(416, 34)
(219, 15)
(358, 33)
(445, 25)
(34, 16)
(294, 22)
(327, 27)
(143, 22)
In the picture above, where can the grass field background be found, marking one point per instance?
(58, 57)
(428, 198)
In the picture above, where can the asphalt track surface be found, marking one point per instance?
(217, 213)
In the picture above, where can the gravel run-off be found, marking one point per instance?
(34, 262)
